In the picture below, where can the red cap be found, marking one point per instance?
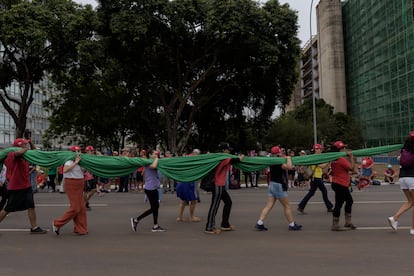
(275, 150)
(19, 142)
(75, 148)
(411, 135)
(89, 148)
(339, 144)
(317, 146)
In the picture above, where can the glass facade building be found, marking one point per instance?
(379, 60)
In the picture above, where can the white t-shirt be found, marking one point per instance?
(76, 172)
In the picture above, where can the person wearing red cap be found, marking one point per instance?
(278, 190)
(20, 193)
(406, 181)
(91, 181)
(340, 184)
(316, 183)
(74, 187)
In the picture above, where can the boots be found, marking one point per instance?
(335, 224)
(348, 221)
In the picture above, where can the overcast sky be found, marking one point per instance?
(303, 8)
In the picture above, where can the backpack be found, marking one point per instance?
(207, 183)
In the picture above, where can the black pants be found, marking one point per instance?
(3, 195)
(317, 183)
(342, 195)
(219, 193)
(123, 183)
(152, 196)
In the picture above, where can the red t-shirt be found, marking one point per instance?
(17, 172)
(340, 172)
(220, 176)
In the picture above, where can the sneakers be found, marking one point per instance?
(393, 223)
(214, 231)
(295, 227)
(37, 230)
(55, 229)
(412, 231)
(158, 229)
(350, 226)
(230, 228)
(260, 227)
(301, 211)
(134, 223)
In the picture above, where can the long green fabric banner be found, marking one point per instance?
(184, 169)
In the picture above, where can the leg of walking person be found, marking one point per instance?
(225, 224)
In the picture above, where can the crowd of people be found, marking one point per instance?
(17, 189)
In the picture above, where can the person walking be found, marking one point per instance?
(406, 180)
(278, 190)
(3, 187)
(74, 187)
(186, 191)
(90, 181)
(341, 181)
(151, 186)
(19, 187)
(219, 193)
(316, 183)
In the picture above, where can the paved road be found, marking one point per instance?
(112, 248)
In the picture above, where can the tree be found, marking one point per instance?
(37, 38)
(203, 57)
(295, 128)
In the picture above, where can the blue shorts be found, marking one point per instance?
(276, 190)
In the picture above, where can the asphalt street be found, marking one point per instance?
(112, 248)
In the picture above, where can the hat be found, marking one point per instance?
(275, 150)
(339, 144)
(89, 148)
(411, 135)
(317, 146)
(75, 148)
(224, 146)
(19, 142)
(143, 151)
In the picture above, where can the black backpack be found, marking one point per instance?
(207, 183)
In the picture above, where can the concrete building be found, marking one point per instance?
(364, 65)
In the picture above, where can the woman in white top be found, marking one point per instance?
(74, 187)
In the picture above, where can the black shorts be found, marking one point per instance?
(90, 185)
(20, 200)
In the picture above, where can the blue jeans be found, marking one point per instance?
(316, 183)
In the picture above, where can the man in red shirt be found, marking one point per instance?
(221, 178)
(19, 187)
(340, 184)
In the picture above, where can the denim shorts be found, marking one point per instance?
(276, 190)
(406, 183)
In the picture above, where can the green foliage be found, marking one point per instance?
(39, 38)
(295, 129)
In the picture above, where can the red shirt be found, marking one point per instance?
(220, 176)
(17, 172)
(340, 172)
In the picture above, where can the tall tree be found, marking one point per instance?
(205, 56)
(36, 37)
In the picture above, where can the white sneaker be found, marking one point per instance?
(393, 223)
(412, 231)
